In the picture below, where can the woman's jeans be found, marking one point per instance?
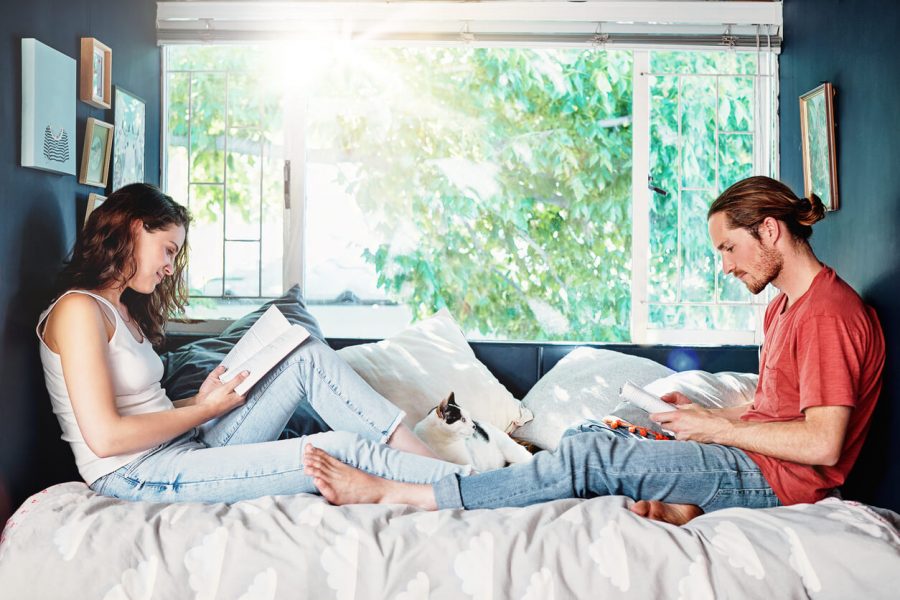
(239, 455)
(594, 460)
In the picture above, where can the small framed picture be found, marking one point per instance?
(128, 147)
(819, 153)
(94, 201)
(98, 138)
(96, 73)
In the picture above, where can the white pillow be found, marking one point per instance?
(421, 365)
(583, 385)
(712, 390)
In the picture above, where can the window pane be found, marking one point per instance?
(735, 318)
(177, 117)
(206, 240)
(664, 148)
(207, 128)
(698, 282)
(736, 104)
(224, 109)
(495, 182)
(698, 129)
(242, 218)
(712, 148)
(735, 158)
(241, 269)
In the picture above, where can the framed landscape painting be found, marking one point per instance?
(819, 154)
(128, 148)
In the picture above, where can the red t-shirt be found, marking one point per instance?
(825, 350)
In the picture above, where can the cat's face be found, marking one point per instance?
(454, 416)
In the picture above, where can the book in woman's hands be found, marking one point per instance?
(270, 339)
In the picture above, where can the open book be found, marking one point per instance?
(647, 402)
(270, 339)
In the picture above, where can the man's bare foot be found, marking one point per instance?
(342, 484)
(676, 514)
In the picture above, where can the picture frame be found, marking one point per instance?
(94, 201)
(129, 114)
(48, 108)
(96, 73)
(98, 138)
(818, 145)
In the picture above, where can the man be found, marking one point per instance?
(819, 379)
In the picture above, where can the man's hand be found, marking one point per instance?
(692, 422)
(676, 398)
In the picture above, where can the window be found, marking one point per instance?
(507, 184)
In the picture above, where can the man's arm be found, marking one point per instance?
(817, 439)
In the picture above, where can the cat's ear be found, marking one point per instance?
(441, 408)
(451, 399)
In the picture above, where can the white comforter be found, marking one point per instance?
(67, 542)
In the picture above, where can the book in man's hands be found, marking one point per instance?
(270, 339)
(649, 403)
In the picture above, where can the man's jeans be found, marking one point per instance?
(593, 460)
(312, 396)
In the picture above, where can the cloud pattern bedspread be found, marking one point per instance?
(67, 542)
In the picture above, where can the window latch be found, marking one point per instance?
(655, 189)
(287, 184)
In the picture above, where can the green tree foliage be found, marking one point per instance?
(514, 169)
(498, 181)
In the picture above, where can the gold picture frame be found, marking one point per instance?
(94, 201)
(98, 137)
(818, 143)
(95, 85)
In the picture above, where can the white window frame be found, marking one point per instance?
(765, 158)
(636, 26)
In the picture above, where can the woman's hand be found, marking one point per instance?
(217, 396)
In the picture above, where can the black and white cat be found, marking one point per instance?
(456, 437)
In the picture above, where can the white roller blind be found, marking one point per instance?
(663, 24)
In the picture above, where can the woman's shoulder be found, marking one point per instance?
(73, 311)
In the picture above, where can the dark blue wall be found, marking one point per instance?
(39, 212)
(852, 44)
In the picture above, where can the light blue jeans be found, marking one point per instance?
(593, 460)
(312, 396)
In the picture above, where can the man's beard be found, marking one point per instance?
(769, 267)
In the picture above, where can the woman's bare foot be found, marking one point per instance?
(676, 514)
(342, 484)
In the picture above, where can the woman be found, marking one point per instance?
(126, 275)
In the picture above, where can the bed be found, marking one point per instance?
(67, 542)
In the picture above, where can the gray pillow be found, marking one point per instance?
(186, 367)
(584, 385)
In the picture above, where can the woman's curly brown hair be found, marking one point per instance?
(103, 256)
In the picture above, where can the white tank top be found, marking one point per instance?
(136, 372)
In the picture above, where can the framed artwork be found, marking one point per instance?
(128, 146)
(48, 108)
(819, 154)
(96, 73)
(94, 201)
(98, 138)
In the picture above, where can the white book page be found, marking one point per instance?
(644, 399)
(264, 331)
(262, 362)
